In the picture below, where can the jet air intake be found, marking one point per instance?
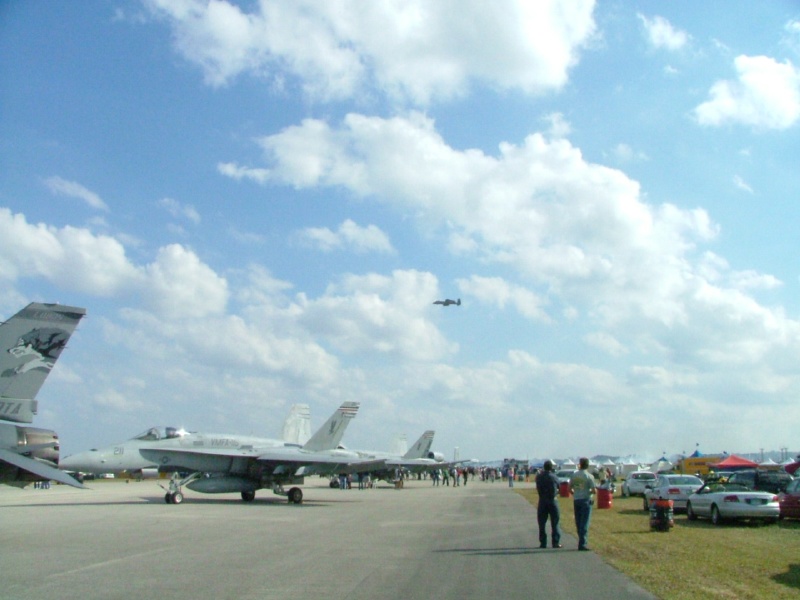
(437, 456)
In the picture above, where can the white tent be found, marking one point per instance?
(661, 466)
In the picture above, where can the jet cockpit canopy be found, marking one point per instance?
(161, 433)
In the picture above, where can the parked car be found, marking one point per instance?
(564, 474)
(720, 501)
(677, 488)
(636, 482)
(789, 501)
(759, 479)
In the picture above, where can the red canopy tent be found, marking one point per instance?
(733, 462)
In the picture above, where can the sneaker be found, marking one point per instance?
(583, 548)
(558, 545)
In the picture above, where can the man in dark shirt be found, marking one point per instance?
(547, 486)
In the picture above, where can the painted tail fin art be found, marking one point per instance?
(331, 433)
(30, 343)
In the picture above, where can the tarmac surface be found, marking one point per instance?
(123, 541)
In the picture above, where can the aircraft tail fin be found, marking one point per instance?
(399, 444)
(30, 343)
(422, 446)
(331, 433)
(297, 427)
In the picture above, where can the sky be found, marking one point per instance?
(258, 203)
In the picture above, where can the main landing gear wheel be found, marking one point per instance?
(248, 496)
(173, 498)
(295, 495)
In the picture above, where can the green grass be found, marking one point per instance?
(695, 559)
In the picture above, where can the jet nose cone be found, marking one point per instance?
(73, 462)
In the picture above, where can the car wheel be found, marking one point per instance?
(690, 513)
(716, 519)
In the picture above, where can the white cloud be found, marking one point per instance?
(765, 95)
(413, 50)
(177, 283)
(742, 184)
(349, 235)
(377, 314)
(539, 207)
(605, 342)
(62, 187)
(661, 33)
(496, 291)
(178, 210)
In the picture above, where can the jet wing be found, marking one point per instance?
(279, 461)
(38, 468)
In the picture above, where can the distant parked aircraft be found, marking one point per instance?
(448, 302)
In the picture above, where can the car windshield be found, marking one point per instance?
(684, 480)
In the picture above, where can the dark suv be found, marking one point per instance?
(760, 480)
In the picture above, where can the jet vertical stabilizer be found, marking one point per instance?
(399, 444)
(30, 343)
(422, 446)
(331, 433)
(297, 427)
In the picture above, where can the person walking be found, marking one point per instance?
(547, 486)
(583, 488)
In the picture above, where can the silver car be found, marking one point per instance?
(636, 482)
(720, 501)
(677, 488)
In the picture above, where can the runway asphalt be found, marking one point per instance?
(123, 541)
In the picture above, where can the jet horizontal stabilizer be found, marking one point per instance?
(38, 468)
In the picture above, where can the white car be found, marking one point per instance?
(720, 501)
(564, 475)
(677, 488)
(636, 482)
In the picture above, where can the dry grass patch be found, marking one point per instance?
(695, 559)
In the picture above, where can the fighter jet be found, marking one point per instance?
(225, 463)
(125, 458)
(30, 343)
(418, 459)
(448, 302)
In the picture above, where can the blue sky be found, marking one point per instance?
(258, 203)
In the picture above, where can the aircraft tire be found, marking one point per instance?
(168, 498)
(248, 496)
(295, 495)
(177, 498)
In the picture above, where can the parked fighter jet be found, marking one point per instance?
(125, 458)
(30, 343)
(224, 463)
(448, 302)
(418, 459)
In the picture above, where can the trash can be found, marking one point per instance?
(662, 514)
(603, 497)
(563, 489)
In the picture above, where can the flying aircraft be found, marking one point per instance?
(225, 463)
(448, 302)
(30, 343)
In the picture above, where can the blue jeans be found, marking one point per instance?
(548, 508)
(583, 514)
